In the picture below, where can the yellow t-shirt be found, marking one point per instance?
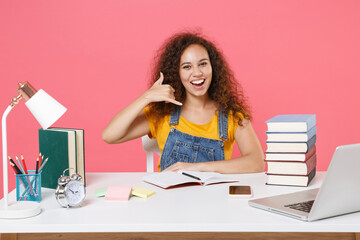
(207, 130)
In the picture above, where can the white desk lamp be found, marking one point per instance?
(47, 111)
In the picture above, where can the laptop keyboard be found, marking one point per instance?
(303, 206)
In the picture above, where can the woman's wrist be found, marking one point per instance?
(144, 100)
(205, 167)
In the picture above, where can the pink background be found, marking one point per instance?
(94, 57)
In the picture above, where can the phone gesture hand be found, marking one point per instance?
(161, 92)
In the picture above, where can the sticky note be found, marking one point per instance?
(142, 192)
(100, 192)
(118, 193)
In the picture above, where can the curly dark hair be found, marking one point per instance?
(224, 88)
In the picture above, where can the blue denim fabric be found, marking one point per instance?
(183, 147)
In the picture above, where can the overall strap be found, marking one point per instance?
(175, 116)
(223, 124)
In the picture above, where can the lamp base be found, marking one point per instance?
(19, 209)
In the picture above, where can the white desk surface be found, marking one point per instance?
(186, 209)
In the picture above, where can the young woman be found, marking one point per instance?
(196, 110)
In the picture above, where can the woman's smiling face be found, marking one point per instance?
(195, 70)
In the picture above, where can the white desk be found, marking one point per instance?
(186, 209)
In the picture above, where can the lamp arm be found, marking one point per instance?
(4, 150)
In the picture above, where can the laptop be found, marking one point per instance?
(339, 193)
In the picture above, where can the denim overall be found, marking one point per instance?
(183, 147)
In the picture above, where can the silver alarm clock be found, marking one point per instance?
(70, 191)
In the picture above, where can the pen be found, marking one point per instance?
(40, 169)
(21, 167)
(37, 166)
(24, 164)
(189, 175)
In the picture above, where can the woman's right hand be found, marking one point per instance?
(159, 92)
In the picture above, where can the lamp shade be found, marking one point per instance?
(45, 109)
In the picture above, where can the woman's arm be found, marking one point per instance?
(252, 159)
(131, 123)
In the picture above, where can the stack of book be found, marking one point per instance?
(291, 150)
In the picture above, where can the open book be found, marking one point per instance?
(173, 179)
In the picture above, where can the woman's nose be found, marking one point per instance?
(197, 72)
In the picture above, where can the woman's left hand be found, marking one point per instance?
(184, 166)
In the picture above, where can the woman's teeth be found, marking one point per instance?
(199, 82)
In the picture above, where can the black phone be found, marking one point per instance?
(240, 191)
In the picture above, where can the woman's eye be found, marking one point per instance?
(203, 63)
(186, 67)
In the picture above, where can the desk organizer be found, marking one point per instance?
(28, 187)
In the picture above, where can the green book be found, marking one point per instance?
(65, 149)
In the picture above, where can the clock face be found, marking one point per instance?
(75, 193)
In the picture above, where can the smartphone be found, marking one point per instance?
(240, 191)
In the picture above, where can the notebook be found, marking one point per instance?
(337, 195)
(173, 179)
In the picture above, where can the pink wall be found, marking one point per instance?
(94, 57)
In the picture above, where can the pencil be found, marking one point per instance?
(21, 167)
(16, 172)
(24, 164)
(40, 159)
(25, 172)
(42, 166)
(37, 166)
(15, 166)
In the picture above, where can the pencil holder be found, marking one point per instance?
(28, 187)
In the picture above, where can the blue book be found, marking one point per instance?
(290, 147)
(291, 123)
(291, 136)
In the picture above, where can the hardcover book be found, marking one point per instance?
(291, 123)
(291, 168)
(290, 147)
(287, 157)
(291, 136)
(291, 180)
(64, 148)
